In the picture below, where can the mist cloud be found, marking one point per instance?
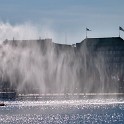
(25, 31)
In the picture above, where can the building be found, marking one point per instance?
(105, 58)
(95, 65)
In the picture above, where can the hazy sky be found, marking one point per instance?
(69, 17)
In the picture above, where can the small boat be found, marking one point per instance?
(2, 104)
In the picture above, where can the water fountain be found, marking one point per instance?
(68, 84)
(94, 66)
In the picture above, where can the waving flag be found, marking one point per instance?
(121, 29)
(87, 29)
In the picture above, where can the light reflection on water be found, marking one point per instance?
(63, 112)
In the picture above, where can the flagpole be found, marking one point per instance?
(120, 29)
(86, 32)
(87, 29)
(119, 32)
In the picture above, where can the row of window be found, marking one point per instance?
(110, 52)
(114, 48)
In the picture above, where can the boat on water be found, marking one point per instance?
(2, 104)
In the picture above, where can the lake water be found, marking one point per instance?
(92, 111)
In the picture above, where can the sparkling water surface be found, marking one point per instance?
(97, 111)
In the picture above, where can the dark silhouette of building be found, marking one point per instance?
(105, 57)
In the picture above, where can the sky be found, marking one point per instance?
(66, 19)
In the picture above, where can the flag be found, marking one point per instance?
(120, 28)
(87, 29)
